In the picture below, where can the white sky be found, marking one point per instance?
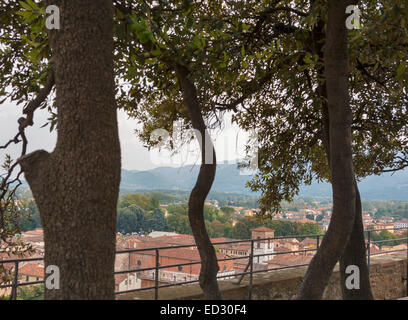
(134, 155)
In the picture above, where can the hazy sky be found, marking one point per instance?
(134, 155)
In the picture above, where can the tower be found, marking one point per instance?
(263, 246)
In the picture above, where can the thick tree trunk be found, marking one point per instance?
(341, 162)
(209, 263)
(76, 186)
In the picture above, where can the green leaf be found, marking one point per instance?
(401, 71)
(156, 52)
(32, 4)
(24, 14)
(25, 6)
(243, 51)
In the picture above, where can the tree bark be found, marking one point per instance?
(76, 186)
(355, 252)
(206, 175)
(341, 162)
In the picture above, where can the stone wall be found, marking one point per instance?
(388, 274)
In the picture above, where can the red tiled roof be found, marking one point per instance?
(180, 253)
(33, 269)
(235, 246)
(263, 229)
(289, 260)
(38, 231)
(119, 278)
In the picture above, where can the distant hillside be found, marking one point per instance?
(228, 180)
(388, 186)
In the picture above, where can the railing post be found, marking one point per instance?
(156, 277)
(13, 295)
(368, 250)
(251, 257)
(317, 242)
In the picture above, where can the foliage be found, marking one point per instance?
(140, 213)
(146, 202)
(227, 210)
(35, 292)
(386, 235)
(131, 219)
(288, 110)
(156, 221)
(179, 223)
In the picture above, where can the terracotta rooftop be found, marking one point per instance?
(33, 269)
(309, 241)
(262, 229)
(289, 260)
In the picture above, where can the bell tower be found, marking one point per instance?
(264, 246)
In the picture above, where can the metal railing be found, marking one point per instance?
(250, 265)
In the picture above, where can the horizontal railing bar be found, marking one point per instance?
(21, 260)
(390, 228)
(20, 284)
(134, 290)
(177, 284)
(133, 270)
(388, 240)
(389, 251)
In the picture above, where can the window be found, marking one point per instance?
(180, 268)
(27, 278)
(139, 262)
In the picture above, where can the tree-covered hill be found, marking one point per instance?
(228, 180)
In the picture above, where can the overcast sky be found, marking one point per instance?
(229, 142)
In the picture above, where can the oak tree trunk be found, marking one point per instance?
(209, 263)
(341, 162)
(76, 186)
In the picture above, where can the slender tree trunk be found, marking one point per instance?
(355, 252)
(209, 263)
(341, 162)
(76, 186)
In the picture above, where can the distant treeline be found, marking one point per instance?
(142, 213)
